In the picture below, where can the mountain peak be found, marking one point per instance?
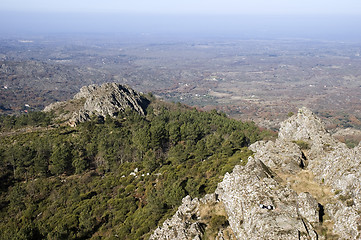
(105, 100)
(303, 126)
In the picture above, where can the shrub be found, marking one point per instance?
(302, 144)
(218, 221)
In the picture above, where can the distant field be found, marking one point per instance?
(261, 80)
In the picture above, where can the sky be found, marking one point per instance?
(187, 6)
(327, 19)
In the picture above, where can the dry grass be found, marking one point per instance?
(303, 181)
(209, 211)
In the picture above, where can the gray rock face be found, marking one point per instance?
(260, 207)
(106, 100)
(334, 165)
(110, 98)
(182, 225)
(189, 222)
(279, 154)
(270, 197)
(308, 207)
(303, 126)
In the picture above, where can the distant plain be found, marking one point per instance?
(259, 80)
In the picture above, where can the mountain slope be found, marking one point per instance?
(305, 185)
(117, 177)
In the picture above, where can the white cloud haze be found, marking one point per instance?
(188, 6)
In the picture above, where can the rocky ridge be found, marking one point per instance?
(105, 100)
(334, 165)
(181, 226)
(304, 185)
(191, 220)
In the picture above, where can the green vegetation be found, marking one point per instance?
(218, 221)
(8, 122)
(302, 144)
(114, 179)
(351, 143)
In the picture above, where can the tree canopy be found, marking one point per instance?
(118, 178)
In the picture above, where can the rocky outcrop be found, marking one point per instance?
(106, 100)
(334, 165)
(304, 185)
(184, 224)
(259, 206)
(193, 221)
(280, 154)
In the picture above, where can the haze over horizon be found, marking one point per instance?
(321, 19)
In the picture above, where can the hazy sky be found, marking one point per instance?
(326, 19)
(188, 6)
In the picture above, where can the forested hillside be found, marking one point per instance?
(116, 178)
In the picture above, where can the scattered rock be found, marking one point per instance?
(346, 132)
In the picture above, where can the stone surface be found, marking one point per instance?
(334, 165)
(260, 204)
(183, 225)
(247, 189)
(105, 100)
(191, 219)
(308, 207)
(279, 154)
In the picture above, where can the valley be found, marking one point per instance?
(259, 80)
